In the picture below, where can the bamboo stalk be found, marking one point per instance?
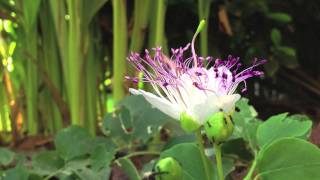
(203, 13)
(3, 113)
(157, 23)
(32, 85)
(140, 22)
(119, 48)
(52, 65)
(74, 62)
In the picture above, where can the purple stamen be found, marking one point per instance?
(169, 74)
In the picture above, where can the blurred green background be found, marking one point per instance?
(63, 61)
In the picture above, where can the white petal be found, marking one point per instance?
(214, 104)
(228, 102)
(162, 104)
(203, 110)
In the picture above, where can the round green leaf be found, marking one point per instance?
(281, 126)
(6, 156)
(289, 159)
(189, 156)
(72, 142)
(46, 162)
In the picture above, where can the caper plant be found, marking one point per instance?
(198, 91)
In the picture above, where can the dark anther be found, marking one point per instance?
(237, 109)
(220, 109)
(165, 84)
(233, 79)
(224, 76)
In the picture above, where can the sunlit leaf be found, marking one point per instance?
(289, 158)
(281, 126)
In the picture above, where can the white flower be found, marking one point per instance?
(187, 86)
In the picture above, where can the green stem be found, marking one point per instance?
(217, 149)
(251, 170)
(139, 153)
(53, 174)
(203, 13)
(119, 48)
(202, 152)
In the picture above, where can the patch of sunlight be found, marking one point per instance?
(1, 125)
(1, 25)
(13, 14)
(10, 66)
(4, 62)
(12, 47)
(12, 2)
(110, 103)
(107, 82)
(67, 17)
(7, 25)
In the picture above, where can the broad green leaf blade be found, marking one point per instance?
(46, 162)
(87, 174)
(17, 173)
(90, 9)
(246, 123)
(6, 156)
(189, 156)
(289, 159)
(72, 142)
(101, 158)
(128, 167)
(130, 102)
(148, 124)
(281, 126)
(30, 11)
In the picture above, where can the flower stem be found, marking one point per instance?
(217, 149)
(251, 170)
(202, 152)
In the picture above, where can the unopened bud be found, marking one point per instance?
(218, 127)
(168, 169)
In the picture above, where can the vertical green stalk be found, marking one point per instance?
(157, 25)
(51, 63)
(251, 170)
(74, 62)
(3, 105)
(217, 148)
(160, 23)
(202, 151)
(203, 13)
(91, 91)
(32, 84)
(119, 48)
(140, 15)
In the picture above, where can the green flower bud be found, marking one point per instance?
(188, 123)
(218, 127)
(168, 169)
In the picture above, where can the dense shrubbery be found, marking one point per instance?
(135, 137)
